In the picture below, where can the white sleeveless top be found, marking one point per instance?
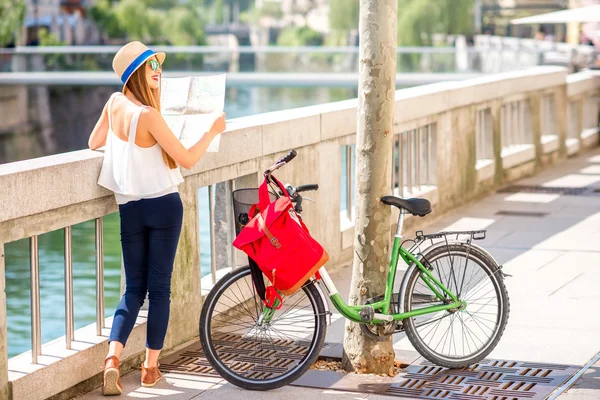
(133, 172)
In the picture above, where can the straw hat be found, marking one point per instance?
(132, 56)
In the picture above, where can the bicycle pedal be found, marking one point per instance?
(367, 313)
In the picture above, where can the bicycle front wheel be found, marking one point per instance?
(457, 338)
(254, 351)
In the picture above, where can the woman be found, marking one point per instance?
(141, 167)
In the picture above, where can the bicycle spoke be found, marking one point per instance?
(257, 352)
(458, 333)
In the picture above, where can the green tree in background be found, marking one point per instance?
(302, 36)
(218, 8)
(343, 15)
(418, 20)
(12, 13)
(133, 19)
(267, 9)
(151, 21)
(343, 19)
(104, 15)
(183, 27)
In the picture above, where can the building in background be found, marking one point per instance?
(65, 19)
(494, 16)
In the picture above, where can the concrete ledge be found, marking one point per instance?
(59, 369)
(338, 119)
(519, 154)
(30, 187)
(589, 137)
(550, 143)
(573, 146)
(581, 82)
(485, 169)
(423, 101)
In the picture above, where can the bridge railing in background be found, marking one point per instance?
(453, 142)
(455, 59)
(512, 52)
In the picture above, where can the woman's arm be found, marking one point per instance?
(98, 136)
(152, 120)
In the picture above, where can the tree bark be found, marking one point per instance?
(375, 135)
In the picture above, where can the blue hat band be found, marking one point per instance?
(135, 64)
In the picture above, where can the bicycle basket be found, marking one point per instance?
(243, 199)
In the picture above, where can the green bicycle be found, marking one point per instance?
(451, 303)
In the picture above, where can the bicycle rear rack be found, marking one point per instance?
(447, 239)
(474, 235)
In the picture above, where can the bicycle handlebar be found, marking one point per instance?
(288, 157)
(307, 188)
(281, 162)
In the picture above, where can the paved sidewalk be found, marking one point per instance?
(554, 260)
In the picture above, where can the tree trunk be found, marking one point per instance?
(375, 135)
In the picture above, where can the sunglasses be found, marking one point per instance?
(153, 64)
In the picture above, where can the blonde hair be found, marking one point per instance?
(138, 85)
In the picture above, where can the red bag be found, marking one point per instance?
(279, 242)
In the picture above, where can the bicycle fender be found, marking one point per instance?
(325, 299)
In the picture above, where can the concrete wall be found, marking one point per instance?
(49, 193)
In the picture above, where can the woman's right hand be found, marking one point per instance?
(219, 125)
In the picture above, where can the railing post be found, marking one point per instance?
(213, 247)
(99, 277)
(3, 329)
(349, 178)
(36, 329)
(69, 320)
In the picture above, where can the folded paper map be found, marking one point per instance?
(190, 105)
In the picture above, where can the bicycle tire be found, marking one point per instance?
(492, 270)
(237, 379)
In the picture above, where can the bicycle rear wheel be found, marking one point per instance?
(460, 337)
(248, 351)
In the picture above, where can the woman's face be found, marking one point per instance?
(153, 71)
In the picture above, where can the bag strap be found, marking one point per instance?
(263, 192)
(272, 239)
(257, 278)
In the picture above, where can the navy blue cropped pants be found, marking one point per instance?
(150, 231)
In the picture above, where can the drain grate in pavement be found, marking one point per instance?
(569, 191)
(252, 360)
(488, 380)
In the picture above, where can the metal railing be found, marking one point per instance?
(413, 160)
(69, 315)
(348, 180)
(36, 323)
(36, 319)
(222, 225)
(484, 135)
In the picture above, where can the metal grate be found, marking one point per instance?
(248, 358)
(569, 191)
(488, 380)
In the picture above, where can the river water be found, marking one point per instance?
(241, 102)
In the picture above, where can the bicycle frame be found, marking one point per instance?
(440, 291)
